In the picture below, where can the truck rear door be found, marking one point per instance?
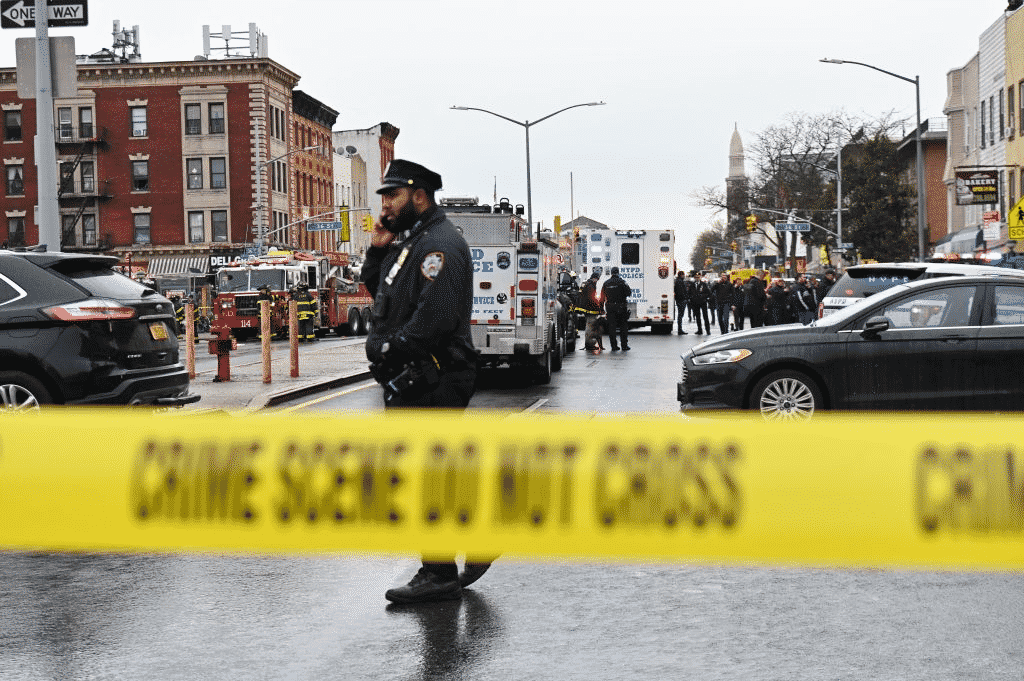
(494, 285)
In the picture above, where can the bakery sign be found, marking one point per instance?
(977, 187)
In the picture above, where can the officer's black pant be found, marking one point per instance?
(454, 391)
(618, 326)
(699, 310)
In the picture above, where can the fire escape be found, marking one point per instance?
(79, 187)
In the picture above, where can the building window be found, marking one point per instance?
(67, 177)
(193, 120)
(89, 230)
(218, 173)
(219, 225)
(1020, 96)
(217, 118)
(15, 181)
(64, 125)
(992, 119)
(194, 170)
(196, 229)
(140, 176)
(88, 176)
(141, 223)
(1011, 122)
(12, 126)
(139, 124)
(984, 136)
(15, 232)
(68, 223)
(1002, 116)
(85, 123)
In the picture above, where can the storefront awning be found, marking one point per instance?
(179, 264)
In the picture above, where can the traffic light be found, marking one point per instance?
(751, 222)
(707, 252)
(367, 223)
(734, 246)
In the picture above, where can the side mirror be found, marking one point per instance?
(874, 326)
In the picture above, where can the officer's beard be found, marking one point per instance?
(405, 219)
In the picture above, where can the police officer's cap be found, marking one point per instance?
(401, 173)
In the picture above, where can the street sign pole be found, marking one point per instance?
(48, 212)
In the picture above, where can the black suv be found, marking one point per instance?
(75, 331)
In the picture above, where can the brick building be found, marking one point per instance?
(174, 162)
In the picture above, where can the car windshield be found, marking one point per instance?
(230, 281)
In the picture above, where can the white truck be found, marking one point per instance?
(646, 261)
(517, 319)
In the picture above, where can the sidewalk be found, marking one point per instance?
(323, 365)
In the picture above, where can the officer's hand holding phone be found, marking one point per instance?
(380, 236)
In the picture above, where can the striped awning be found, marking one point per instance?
(179, 264)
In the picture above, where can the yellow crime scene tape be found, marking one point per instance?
(841, 490)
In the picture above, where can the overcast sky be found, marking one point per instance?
(677, 76)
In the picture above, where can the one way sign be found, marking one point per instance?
(22, 13)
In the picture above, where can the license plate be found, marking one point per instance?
(158, 331)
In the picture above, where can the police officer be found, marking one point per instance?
(615, 293)
(305, 306)
(419, 272)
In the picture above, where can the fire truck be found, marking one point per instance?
(343, 302)
(646, 262)
(517, 319)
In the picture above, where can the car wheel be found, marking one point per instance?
(543, 370)
(21, 392)
(786, 396)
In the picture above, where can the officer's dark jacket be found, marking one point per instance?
(589, 301)
(616, 294)
(433, 315)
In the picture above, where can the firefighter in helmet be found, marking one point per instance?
(306, 310)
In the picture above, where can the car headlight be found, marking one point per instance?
(721, 357)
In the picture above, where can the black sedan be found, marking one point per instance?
(74, 331)
(946, 344)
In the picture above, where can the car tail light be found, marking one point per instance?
(527, 284)
(92, 310)
(529, 311)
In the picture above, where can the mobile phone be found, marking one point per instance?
(384, 221)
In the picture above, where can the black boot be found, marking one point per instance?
(425, 586)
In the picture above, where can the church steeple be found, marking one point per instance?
(736, 158)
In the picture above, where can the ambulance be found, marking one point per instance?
(517, 319)
(646, 262)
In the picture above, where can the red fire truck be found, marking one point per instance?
(343, 302)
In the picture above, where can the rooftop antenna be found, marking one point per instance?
(255, 42)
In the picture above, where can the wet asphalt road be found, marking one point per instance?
(246, 617)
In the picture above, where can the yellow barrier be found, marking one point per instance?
(842, 490)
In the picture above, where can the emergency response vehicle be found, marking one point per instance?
(517, 318)
(343, 303)
(646, 261)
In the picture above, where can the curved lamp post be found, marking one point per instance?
(921, 216)
(526, 125)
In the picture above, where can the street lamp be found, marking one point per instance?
(921, 190)
(260, 165)
(526, 125)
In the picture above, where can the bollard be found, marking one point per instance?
(190, 339)
(265, 338)
(293, 336)
(222, 347)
